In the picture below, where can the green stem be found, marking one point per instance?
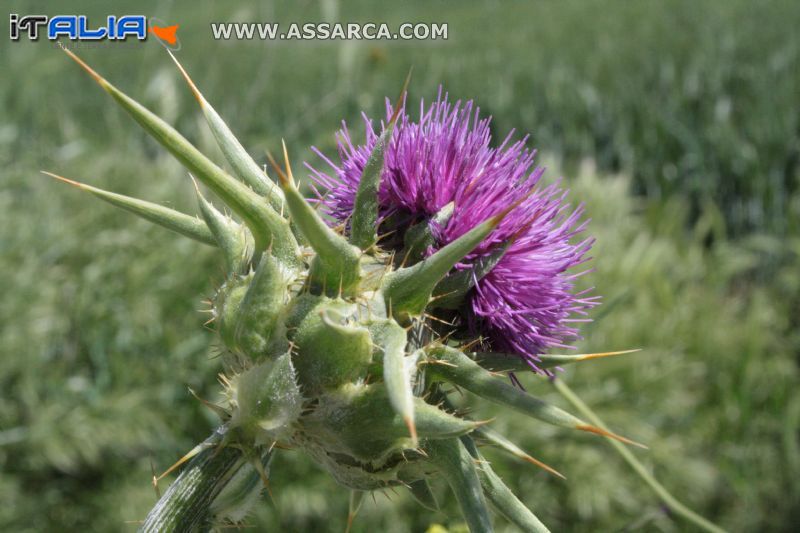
(668, 499)
(185, 506)
(500, 496)
(458, 468)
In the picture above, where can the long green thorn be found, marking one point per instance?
(337, 264)
(463, 371)
(242, 163)
(503, 362)
(364, 222)
(356, 499)
(495, 438)
(458, 469)
(176, 221)
(500, 496)
(268, 227)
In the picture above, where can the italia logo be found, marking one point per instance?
(78, 28)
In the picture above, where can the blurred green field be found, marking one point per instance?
(677, 122)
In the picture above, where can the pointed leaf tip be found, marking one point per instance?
(364, 219)
(65, 180)
(504, 362)
(604, 433)
(664, 495)
(495, 438)
(243, 165)
(398, 106)
(356, 499)
(409, 289)
(195, 91)
(599, 355)
(176, 221)
(337, 264)
(412, 430)
(468, 374)
(282, 178)
(267, 226)
(289, 176)
(97, 77)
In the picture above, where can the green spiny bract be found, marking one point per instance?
(333, 344)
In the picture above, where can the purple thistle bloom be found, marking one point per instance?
(526, 302)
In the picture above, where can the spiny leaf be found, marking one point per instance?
(361, 416)
(364, 221)
(493, 437)
(258, 330)
(500, 496)
(391, 339)
(234, 240)
(408, 290)
(268, 227)
(458, 468)
(331, 351)
(337, 263)
(268, 399)
(176, 221)
(227, 302)
(420, 236)
(363, 224)
(433, 423)
(463, 371)
(242, 163)
(451, 291)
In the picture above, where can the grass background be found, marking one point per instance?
(677, 122)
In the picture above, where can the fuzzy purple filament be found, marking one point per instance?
(527, 302)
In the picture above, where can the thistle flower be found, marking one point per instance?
(526, 302)
(345, 341)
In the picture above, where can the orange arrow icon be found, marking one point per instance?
(166, 33)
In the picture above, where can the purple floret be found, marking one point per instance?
(526, 303)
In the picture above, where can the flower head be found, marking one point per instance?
(526, 302)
